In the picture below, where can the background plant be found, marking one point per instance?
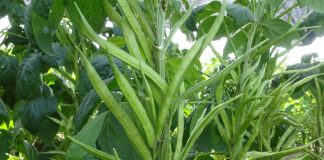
(102, 79)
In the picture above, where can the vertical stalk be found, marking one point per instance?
(180, 128)
(160, 38)
(76, 66)
(320, 110)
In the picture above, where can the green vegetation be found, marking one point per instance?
(72, 87)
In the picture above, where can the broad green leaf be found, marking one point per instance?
(5, 139)
(277, 27)
(205, 25)
(56, 14)
(201, 12)
(42, 33)
(34, 117)
(29, 150)
(190, 23)
(42, 7)
(113, 136)
(208, 10)
(88, 136)
(28, 24)
(48, 129)
(4, 114)
(237, 44)
(13, 9)
(85, 109)
(28, 83)
(84, 85)
(316, 5)
(241, 15)
(8, 70)
(90, 9)
(193, 74)
(210, 139)
(101, 64)
(58, 59)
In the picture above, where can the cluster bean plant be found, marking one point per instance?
(103, 79)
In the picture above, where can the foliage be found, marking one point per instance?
(102, 79)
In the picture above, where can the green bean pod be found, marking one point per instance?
(129, 126)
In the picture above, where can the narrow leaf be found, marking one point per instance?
(92, 150)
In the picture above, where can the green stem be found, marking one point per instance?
(160, 35)
(65, 75)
